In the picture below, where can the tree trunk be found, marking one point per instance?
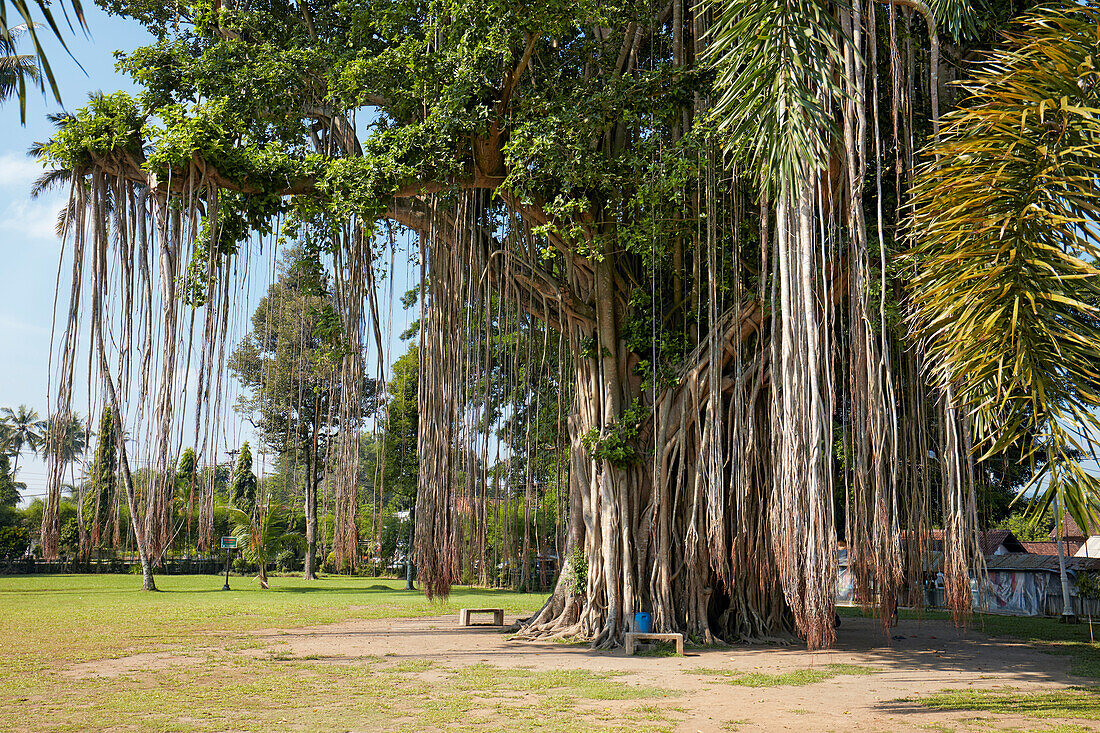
(408, 551)
(1067, 604)
(312, 480)
(310, 566)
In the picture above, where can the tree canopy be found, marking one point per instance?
(708, 208)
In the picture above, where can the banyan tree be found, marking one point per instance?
(776, 321)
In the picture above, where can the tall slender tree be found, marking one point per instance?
(103, 484)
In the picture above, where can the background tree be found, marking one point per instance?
(242, 490)
(187, 479)
(103, 484)
(261, 534)
(9, 488)
(64, 441)
(289, 364)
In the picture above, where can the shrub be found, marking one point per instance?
(288, 561)
(14, 542)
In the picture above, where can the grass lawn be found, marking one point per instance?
(228, 682)
(192, 662)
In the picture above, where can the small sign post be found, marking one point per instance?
(228, 543)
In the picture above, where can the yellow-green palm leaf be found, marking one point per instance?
(1006, 245)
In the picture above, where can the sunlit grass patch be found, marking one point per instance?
(795, 678)
(412, 665)
(578, 683)
(1079, 703)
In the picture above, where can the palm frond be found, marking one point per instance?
(1006, 290)
(776, 83)
(49, 180)
(959, 18)
(29, 26)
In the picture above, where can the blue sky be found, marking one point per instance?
(31, 250)
(30, 247)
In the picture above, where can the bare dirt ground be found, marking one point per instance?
(917, 658)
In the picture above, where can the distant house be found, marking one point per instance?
(999, 542)
(1051, 548)
(1078, 542)
(991, 542)
(1021, 578)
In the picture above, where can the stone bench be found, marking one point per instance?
(465, 613)
(633, 637)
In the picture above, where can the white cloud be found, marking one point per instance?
(12, 326)
(18, 171)
(32, 219)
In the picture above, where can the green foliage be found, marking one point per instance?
(1027, 527)
(402, 419)
(1088, 585)
(577, 569)
(616, 444)
(186, 475)
(103, 481)
(69, 537)
(262, 536)
(109, 124)
(288, 561)
(9, 488)
(242, 492)
(14, 542)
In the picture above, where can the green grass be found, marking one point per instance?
(796, 678)
(226, 678)
(109, 616)
(576, 683)
(1077, 704)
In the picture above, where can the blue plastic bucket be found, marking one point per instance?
(643, 624)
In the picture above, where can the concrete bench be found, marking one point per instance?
(465, 613)
(633, 637)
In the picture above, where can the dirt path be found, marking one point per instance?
(920, 658)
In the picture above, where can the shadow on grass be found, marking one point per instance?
(1043, 634)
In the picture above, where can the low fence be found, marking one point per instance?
(33, 566)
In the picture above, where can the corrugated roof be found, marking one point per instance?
(1049, 563)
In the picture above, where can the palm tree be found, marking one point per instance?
(67, 439)
(16, 69)
(262, 534)
(1006, 243)
(25, 429)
